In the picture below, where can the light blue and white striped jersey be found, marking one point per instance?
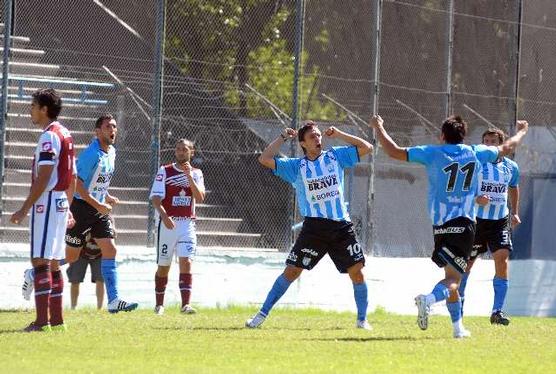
(494, 180)
(96, 168)
(319, 184)
(452, 171)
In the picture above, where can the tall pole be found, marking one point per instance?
(517, 65)
(370, 240)
(299, 30)
(449, 58)
(157, 107)
(8, 21)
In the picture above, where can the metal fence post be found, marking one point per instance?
(517, 65)
(370, 238)
(449, 58)
(299, 30)
(157, 107)
(8, 21)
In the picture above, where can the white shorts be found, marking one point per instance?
(49, 217)
(182, 240)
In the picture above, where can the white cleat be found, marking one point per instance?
(188, 309)
(28, 283)
(460, 334)
(423, 310)
(256, 321)
(159, 310)
(118, 305)
(364, 325)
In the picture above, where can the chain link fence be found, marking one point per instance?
(228, 84)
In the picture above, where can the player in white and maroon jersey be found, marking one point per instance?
(53, 183)
(176, 189)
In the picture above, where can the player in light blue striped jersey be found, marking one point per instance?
(318, 179)
(497, 181)
(452, 169)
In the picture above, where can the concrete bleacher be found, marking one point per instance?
(218, 224)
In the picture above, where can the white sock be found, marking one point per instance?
(458, 325)
(430, 299)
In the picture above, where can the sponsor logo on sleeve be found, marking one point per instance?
(61, 205)
(39, 209)
(159, 177)
(46, 146)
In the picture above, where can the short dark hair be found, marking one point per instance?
(494, 131)
(49, 98)
(101, 119)
(454, 129)
(308, 126)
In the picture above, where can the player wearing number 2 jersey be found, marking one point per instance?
(318, 180)
(452, 169)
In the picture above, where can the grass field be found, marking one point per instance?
(215, 340)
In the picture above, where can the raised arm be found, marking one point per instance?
(267, 157)
(388, 144)
(363, 146)
(510, 145)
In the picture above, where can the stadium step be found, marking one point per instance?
(17, 41)
(24, 54)
(32, 68)
(31, 135)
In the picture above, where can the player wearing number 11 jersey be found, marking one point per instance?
(452, 169)
(318, 180)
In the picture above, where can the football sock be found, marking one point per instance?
(500, 289)
(160, 288)
(278, 289)
(185, 288)
(440, 292)
(455, 314)
(43, 286)
(360, 294)
(461, 289)
(56, 306)
(110, 275)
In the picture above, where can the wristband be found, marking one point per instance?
(284, 138)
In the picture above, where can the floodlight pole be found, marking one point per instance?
(449, 58)
(517, 65)
(157, 107)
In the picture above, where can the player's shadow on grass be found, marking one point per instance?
(376, 339)
(11, 331)
(178, 328)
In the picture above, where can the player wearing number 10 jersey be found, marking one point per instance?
(318, 181)
(452, 169)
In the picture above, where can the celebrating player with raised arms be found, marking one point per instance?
(452, 170)
(318, 179)
(53, 182)
(176, 189)
(497, 181)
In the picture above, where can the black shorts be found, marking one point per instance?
(76, 271)
(87, 219)
(320, 236)
(492, 235)
(453, 242)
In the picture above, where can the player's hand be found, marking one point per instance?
(187, 169)
(104, 209)
(522, 125)
(71, 220)
(18, 217)
(482, 200)
(288, 134)
(332, 132)
(376, 121)
(112, 200)
(168, 222)
(515, 220)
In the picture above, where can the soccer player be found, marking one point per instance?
(452, 170)
(90, 257)
(52, 186)
(92, 205)
(176, 189)
(497, 181)
(318, 179)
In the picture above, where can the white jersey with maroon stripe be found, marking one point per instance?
(172, 186)
(55, 147)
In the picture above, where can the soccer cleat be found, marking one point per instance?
(463, 333)
(60, 328)
(118, 305)
(364, 325)
(36, 328)
(256, 321)
(423, 310)
(159, 310)
(499, 318)
(188, 309)
(28, 283)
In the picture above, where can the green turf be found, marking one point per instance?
(215, 340)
